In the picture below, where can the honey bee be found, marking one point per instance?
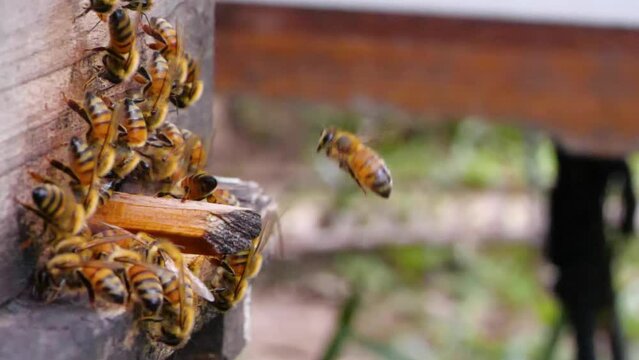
(165, 151)
(98, 277)
(126, 161)
(58, 208)
(194, 187)
(135, 133)
(141, 278)
(82, 172)
(363, 164)
(102, 128)
(159, 252)
(122, 59)
(232, 272)
(187, 93)
(194, 151)
(156, 91)
(165, 35)
(169, 44)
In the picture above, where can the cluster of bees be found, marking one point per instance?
(130, 138)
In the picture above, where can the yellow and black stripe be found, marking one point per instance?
(100, 116)
(198, 186)
(147, 287)
(83, 161)
(104, 282)
(122, 36)
(134, 124)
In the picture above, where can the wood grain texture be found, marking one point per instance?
(43, 54)
(579, 83)
(197, 226)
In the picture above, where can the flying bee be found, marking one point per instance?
(364, 165)
(194, 187)
(58, 208)
(133, 123)
(98, 277)
(141, 278)
(103, 128)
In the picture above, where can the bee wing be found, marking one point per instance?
(103, 264)
(198, 286)
(104, 240)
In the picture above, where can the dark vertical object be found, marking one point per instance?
(576, 244)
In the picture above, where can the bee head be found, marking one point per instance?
(208, 183)
(326, 137)
(39, 195)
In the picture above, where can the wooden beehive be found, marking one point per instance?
(43, 54)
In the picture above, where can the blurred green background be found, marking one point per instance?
(464, 296)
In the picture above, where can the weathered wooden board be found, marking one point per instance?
(42, 54)
(580, 83)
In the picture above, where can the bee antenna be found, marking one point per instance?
(94, 26)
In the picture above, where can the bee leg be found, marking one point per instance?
(350, 171)
(94, 26)
(57, 290)
(91, 79)
(87, 284)
(65, 169)
(154, 34)
(86, 11)
(167, 193)
(187, 193)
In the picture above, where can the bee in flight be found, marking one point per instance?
(364, 164)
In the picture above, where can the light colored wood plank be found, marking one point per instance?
(197, 226)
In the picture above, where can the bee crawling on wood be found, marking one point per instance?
(364, 165)
(69, 270)
(58, 208)
(122, 58)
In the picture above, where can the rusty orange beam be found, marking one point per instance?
(580, 82)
